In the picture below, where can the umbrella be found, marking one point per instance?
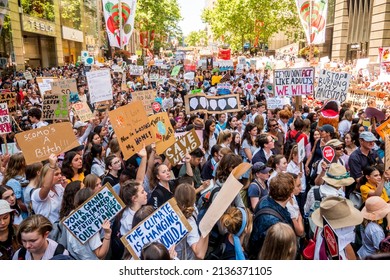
(372, 112)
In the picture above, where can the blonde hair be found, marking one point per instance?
(259, 122)
(34, 223)
(280, 243)
(185, 197)
(223, 136)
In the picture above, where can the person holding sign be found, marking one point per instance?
(94, 248)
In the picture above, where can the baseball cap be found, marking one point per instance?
(367, 136)
(260, 167)
(4, 207)
(79, 124)
(327, 128)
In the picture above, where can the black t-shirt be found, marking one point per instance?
(110, 179)
(160, 195)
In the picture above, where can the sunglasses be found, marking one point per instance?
(339, 148)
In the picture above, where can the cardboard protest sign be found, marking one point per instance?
(212, 104)
(85, 221)
(5, 121)
(277, 102)
(44, 84)
(132, 127)
(223, 200)
(332, 85)
(166, 225)
(82, 110)
(9, 98)
(55, 106)
(147, 97)
(384, 129)
(67, 86)
(27, 75)
(39, 143)
(294, 82)
(301, 150)
(185, 145)
(358, 98)
(136, 70)
(163, 131)
(154, 77)
(99, 84)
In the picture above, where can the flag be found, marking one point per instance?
(119, 18)
(225, 78)
(313, 19)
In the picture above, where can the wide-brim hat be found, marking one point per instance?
(375, 208)
(5, 207)
(337, 176)
(338, 211)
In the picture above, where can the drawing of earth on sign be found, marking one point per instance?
(161, 128)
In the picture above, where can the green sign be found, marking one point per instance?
(175, 71)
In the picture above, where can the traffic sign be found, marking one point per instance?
(328, 154)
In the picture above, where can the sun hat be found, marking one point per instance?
(337, 176)
(339, 212)
(375, 208)
(4, 207)
(334, 143)
(260, 167)
(327, 128)
(367, 136)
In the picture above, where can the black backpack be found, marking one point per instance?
(290, 143)
(22, 252)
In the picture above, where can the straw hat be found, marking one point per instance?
(339, 212)
(375, 208)
(338, 176)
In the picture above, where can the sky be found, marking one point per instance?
(190, 12)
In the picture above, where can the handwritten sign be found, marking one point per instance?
(163, 131)
(332, 85)
(277, 102)
(212, 104)
(301, 150)
(82, 110)
(85, 221)
(181, 147)
(147, 97)
(44, 84)
(5, 122)
(166, 225)
(11, 148)
(67, 86)
(9, 98)
(27, 75)
(175, 70)
(132, 127)
(99, 84)
(294, 82)
(55, 106)
(136, 70)
(38, 144)
(358, 98)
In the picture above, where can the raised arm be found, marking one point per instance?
(48, 179)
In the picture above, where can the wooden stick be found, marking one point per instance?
(17, 125)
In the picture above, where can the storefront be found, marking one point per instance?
(72, 44)
(39, 46)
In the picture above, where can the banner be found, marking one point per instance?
(185, 145)
(136, 70)
(212, 104)
(38, 144)
(224, 88)
(113, 14)
(358, 98)
(82, 110)
(55, 106)
(312, 14)
(132, 127)
(294, 82)
(85, 221)
(332, 85)
(147, 97)
(225, 65)
(5, 121)
(166, 225)
(99, 84)
(163, 131)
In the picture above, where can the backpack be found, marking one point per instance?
(59, 234)
(290, 143)
(205, 201)
(220, 254)
(310, 227)
(60, 249)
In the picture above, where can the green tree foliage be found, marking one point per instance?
(234, 20)
(196, 38)
(39, 8)
(71, 13)
(162, 16)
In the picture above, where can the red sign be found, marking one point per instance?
(190, 67)
(156, 107)
(328, 154)
(224, 54)
(331, 241)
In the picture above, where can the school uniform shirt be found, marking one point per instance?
(83, 251)
(98, 167)
(372, 235)
(193, 237)
(127, 221)
(51, 205)
(160, 195)
(110, 179)
(49, 253)
(325, 191)
(292, 167)
(367, 187)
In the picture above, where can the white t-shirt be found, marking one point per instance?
(51, 205)
(49, 253)
(192, 238)
(86, 251)
(127, 221)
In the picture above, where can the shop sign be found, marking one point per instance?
(72, 34)
(36, 25)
